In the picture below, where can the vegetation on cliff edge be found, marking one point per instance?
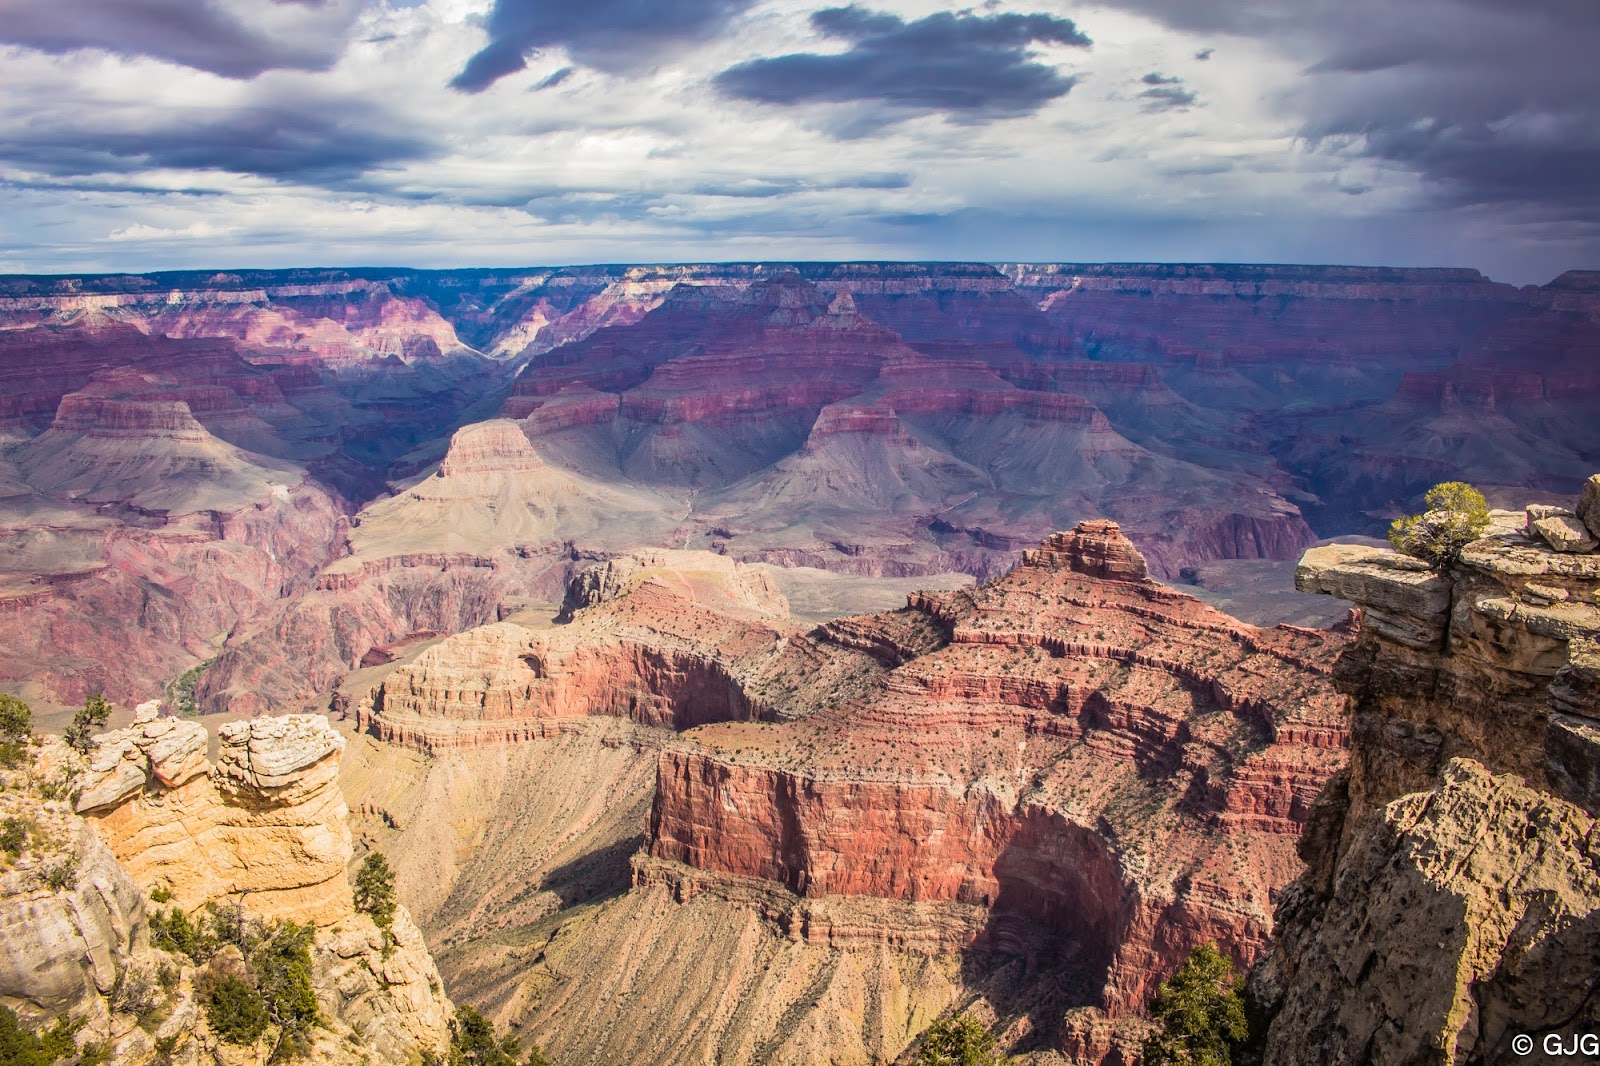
(958, 1041)
(1456, 515)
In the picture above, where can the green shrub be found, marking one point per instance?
(236, 1012)
(13, 836)
(281, 962)
(87, 722)
(958, 1041)
(1456, 515)
(473, 1043)
(23, 1047)
(1200, 1013)
(16, 730)
(16, 720)
(374, 890)
(174, 931)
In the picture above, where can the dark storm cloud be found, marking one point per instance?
(608, 34)
(551, 81)
(203, 34)
(973, 68)
(1494, 103)
(1168, 98)
(315, 144)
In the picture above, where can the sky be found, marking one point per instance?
(162, 134)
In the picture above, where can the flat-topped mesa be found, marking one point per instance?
(1492, 659)
(495, 447)
(704, 576)
(1096, 548)
(266, 821)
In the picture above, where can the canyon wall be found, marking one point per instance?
(1452, 900)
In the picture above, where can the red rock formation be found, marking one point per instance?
(1097, 549)
(1109, 769)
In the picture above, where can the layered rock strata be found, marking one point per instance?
(1453, 896)
(1071, 764)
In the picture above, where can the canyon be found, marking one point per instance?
(1071, 769)
(760, 662)
(239, 472)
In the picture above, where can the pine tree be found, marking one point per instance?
(1200, 1011)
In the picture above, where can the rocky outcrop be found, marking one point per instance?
(63, 947)
(1488, 897)
(1589, 505)
(265, 823)
(75, 915)
(743, 588)
(1097, 549)
(1464, 829)
(1460, 663)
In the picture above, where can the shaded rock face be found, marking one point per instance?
(1488, 896)
(1464, 828)
(1095, 773)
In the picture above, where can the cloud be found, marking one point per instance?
(232, 38)
(611, 35)
(971, 68)
(311, 143)
(1493, 104)
(552, 80)
(1166, 93)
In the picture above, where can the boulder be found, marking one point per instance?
(1589, 504)
(1565, 533)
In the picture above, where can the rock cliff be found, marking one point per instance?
(156, 829)
(1452, 900)
(266, 822)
